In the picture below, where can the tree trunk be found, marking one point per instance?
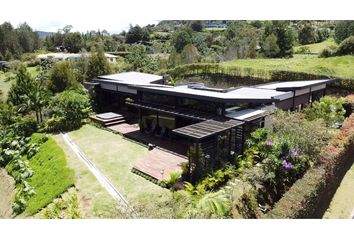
(37, 117)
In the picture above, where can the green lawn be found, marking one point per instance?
(51, 175)
(95, 201)
(342, 67)
(316, 48)
(342, 204)
(115, 157)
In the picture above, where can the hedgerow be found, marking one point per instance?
(310, 196)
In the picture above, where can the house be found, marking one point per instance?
(67, 56)
(215, 122)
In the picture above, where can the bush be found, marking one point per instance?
(327, 52)
(330, 109)
(68, 110)
(25, 126)
(346, 47)
(310, 196)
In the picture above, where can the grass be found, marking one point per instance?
(94, 200)
(342, 204)
(51, 176)
(115, 157)
(214, 29)
(4, 85)
(341, 67)
(316, 48)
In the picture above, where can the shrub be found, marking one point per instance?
(346, 47)
(68, 109)
(330, 109)
(25, 126)
(310, 196)
(327, 52)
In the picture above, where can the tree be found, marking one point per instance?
(197, 26)
(137, 34)
(62, 77)
(73, 42)
(343, 30)
(139, 59)
(284, 34)
(270, 46)
(307, 33)
(98, 64)
(180, 39)
(9, 46)
(28, 94)
(68, 109)
(28, 40)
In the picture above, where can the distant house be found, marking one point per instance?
(67, 56)
(215, 25)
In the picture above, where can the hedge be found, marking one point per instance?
(310, 196)
(250, 75)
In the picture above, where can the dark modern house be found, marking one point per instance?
(215, 122)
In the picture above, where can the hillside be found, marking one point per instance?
(340, 67)
(316, 48)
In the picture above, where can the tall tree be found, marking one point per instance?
(62, 77)
(98, 64)
(180, 39)
(343, 30)
(284, 34)
(307, 33)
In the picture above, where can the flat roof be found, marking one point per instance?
(293, 85)
(245, 114)
(130, 78)
(243, 94)
(205, 129)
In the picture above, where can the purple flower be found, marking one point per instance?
(268, 142)
(294, 153)
(287, 165)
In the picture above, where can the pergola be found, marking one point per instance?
(213, 143)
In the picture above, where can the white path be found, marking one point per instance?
(103, 180)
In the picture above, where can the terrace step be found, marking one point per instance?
(114, 122)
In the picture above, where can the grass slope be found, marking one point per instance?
(316, 48)
(94, 200)
(341, 67)
(51, 175)
(115, 157)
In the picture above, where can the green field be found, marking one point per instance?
(51, 176)
(115, 157)
(342, 67)
(316, 48)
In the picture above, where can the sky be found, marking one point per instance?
(116, 15)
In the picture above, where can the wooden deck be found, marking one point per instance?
(158, 164)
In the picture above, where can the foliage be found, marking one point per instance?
(343, 30)
(327, 52)
(62, 77)
(346, 47)
(68, 110)
(284, 35)
(180, 39)
(66, 207)
(49, 164)
(171, 182)
(328, 108)
(307, 33)
(28, 93)
(139, 59)
(98, 64)
(270, 46)
(197, 26)
(307, 136)
(309, 197)
(137, 34)
(217, 179)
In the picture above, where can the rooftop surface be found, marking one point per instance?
(293, 84)
(242, 94)
(130, 78)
